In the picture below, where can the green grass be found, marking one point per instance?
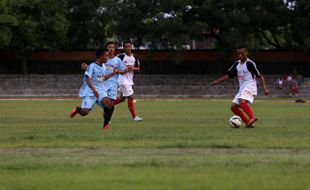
(179, 145)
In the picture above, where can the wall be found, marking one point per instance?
(145, 86)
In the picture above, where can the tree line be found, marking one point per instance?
(29, 25)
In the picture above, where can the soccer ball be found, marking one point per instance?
(235, 121)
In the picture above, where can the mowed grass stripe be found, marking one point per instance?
(139, 157)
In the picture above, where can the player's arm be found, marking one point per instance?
(131, 68)
(121, 72)
(136, 69)
(254, 71)
(232, 72)
(121, 68)
(223, 78)
(264, 86)
(137, 64)
(110, 75)
(91, 86)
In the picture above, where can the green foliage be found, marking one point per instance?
(38, 24)
(87, 24)
(88, 21)
(7, 22)
(259, 24)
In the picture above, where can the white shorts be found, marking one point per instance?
(126, 90)
(245, 95)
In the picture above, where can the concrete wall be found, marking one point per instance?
(145, 86)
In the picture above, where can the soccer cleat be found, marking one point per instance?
(137, 118)
(106, 128)
(251, 122)
(74, 112)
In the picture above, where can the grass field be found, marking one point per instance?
(179, 145)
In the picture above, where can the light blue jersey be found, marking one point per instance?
(112, 63)
(96, 74)
(111, 84)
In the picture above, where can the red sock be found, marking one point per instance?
(118, 100)
(246, 108)
(239, 113)
(131, 107)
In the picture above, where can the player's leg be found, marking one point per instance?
(128, 93)
(246, 108)
(119, 99)
(87, 104)
(104, 102)
(131, 107)
(236, 110)
(107, 112)
(108, 103)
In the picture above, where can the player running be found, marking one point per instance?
(247, 73)
(93, 89)
(110, 84)
(125, 81)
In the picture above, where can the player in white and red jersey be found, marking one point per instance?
(246, 71)
(125, 80)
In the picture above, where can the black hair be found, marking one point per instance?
(127, 42)
(100, 51)
(242, 46)
(108, 43)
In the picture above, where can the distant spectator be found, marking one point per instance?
(279, 83)
(293, 84)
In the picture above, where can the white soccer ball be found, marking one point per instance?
(235, 121)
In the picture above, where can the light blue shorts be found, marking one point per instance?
(89, 101)
(111, 90)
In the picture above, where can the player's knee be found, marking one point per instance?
(84, 112)
(234, 106)
(108, 103)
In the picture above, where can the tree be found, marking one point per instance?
(159, 24)
(88, 22)
(38, 24)
(162, 24)
(263, 24)
(7, 22)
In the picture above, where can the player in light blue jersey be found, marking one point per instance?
(93, 89)
(114, 62)
(111, 85)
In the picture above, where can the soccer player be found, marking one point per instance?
(125, 81)
(111, 84)
(93, 90)
(247, 72)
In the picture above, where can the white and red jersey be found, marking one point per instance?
(247, 73)
(128, 60)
